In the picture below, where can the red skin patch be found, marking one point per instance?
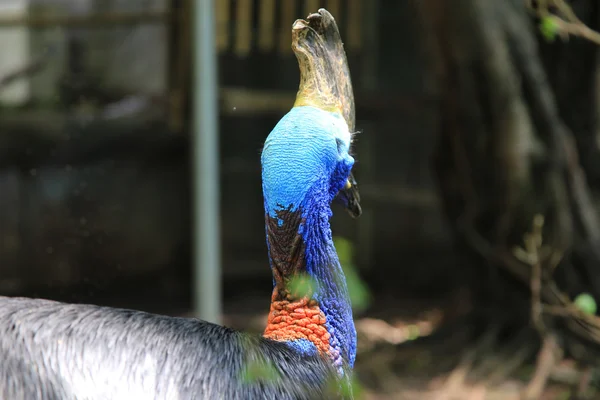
(299, 319)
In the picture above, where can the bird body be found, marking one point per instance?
(51, 350)
(55, 351)
(314, 144)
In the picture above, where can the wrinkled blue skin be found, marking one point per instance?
(305, 162)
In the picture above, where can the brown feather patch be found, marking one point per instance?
(286, 246)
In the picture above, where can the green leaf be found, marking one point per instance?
(549, 28)
(344, 249)
(360, 297)
(353, 388)
(359, 293)
(346, 388)
(413, 332)
(302, 285)
(586, 303)
(260, 370)
(564, 395)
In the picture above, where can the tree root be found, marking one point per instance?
(548, 357)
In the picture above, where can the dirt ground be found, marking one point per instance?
(428, 350)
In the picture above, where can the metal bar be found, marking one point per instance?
(223, 22)
(333, 6)
(266, 27)
(85, 21)
(370, 54)
(207, 232)
(180, 68)
(311, 6)
(288, 9)
(243, 28)
(354, 25)
(365, 227)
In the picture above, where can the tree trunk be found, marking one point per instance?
(515, 113)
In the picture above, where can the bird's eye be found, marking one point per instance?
(340, 144)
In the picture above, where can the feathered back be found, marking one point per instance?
(55, 351)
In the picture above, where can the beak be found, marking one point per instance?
(349, 197)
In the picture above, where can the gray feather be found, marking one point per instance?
(51, 350)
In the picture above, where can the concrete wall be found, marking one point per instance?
(15, 51)
(118, 58)
(131, 63)
(122, 215)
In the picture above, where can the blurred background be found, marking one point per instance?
(477, 132)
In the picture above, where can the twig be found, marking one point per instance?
(511, 364)
(33, 67)
(533, 244)
(456, 379)
(495, 369)
(548, 357)
(568, 24)
(531, 255)
(576, 29)
(583, 385)
(558, 311)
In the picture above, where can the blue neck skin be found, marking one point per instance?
(323, 265)
(302, 171)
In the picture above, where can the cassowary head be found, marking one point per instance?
(310, 146)
(307, 151)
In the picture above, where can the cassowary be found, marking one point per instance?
(51, 350)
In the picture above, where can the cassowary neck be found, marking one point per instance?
(301, 247)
